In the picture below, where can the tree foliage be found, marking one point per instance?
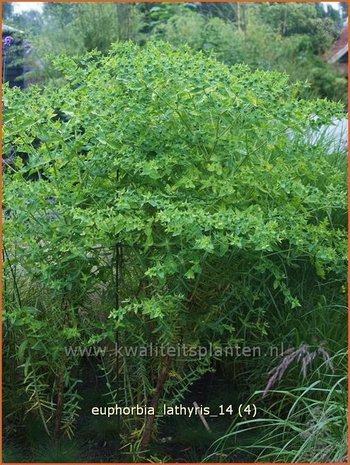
(289, 37)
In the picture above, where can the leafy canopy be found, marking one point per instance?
(186, 162)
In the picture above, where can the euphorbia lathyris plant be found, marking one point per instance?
(175, 174)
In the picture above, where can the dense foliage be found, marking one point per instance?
(158, 197)
(285, 37)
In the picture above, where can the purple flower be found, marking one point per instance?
(8, 41)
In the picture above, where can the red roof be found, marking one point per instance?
(339, 48)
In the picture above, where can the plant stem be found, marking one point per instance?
(146, 437)
(13, 276)
(59, 405)
(117, 303)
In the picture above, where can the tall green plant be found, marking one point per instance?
(157, 197)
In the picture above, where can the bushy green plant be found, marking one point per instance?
(157, 197)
